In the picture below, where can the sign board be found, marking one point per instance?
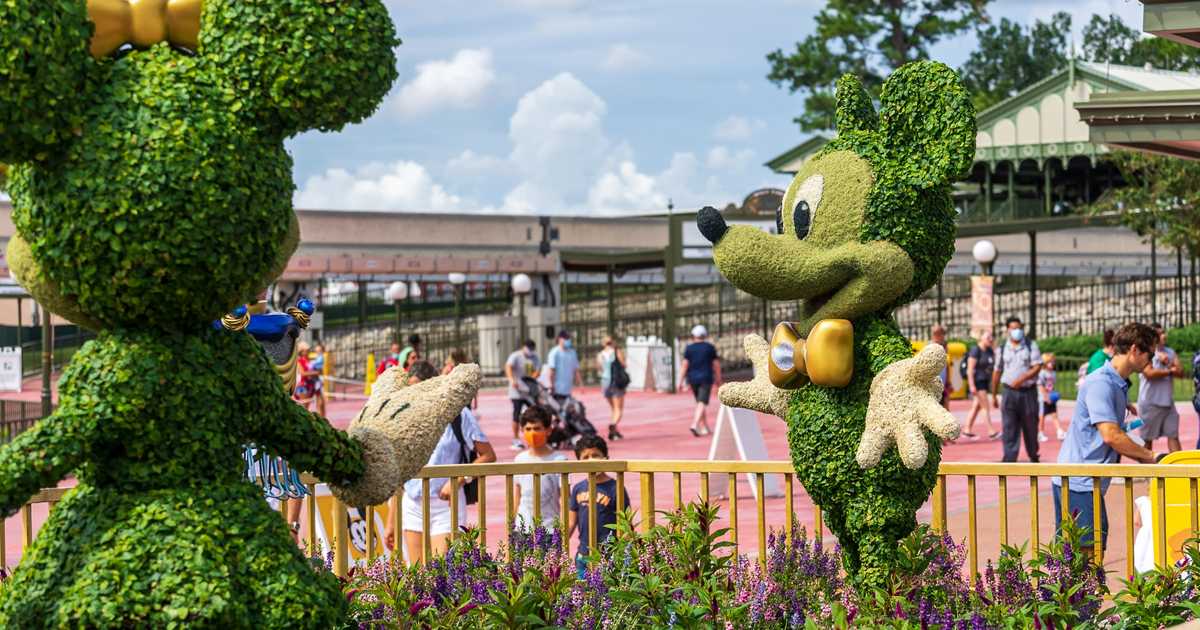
(10, 369)
(981, 305)
(648, 361)
(738, 436)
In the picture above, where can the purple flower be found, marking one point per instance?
(419, 605)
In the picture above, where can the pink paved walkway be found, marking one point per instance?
(656, 426)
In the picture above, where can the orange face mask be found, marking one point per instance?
(535, 438)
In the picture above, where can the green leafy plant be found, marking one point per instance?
(152, 193)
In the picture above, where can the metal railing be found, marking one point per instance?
(646, 471)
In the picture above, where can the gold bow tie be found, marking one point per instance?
(143, 23)
(826, 357)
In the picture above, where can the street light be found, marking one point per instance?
(985, 254)
(457, 279)
(397, 292)
(521, 285)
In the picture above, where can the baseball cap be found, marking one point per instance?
(699, 331)
(564, 334)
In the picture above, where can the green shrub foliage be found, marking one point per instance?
(153, 192)
(864, 255)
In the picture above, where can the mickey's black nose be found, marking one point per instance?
(711, 224)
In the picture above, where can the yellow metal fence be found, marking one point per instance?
(647, 471)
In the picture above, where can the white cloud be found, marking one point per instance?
(622, 57)
(399, 186)
(459, 83)
(737, 128)
(558, 143)
(626, 190)
(720, 158)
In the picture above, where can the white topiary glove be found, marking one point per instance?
(758, 394)
(400, 426)
(905, 397)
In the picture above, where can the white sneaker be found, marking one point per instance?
(1062, 435)
(1042, 437)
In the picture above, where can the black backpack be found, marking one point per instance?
(470, 489)
(620, 377)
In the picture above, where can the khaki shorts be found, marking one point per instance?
(1160, 422)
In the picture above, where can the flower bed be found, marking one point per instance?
(684, 575)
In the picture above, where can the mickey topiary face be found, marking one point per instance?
(866, 225)
(156, 191)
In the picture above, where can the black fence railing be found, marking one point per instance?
(17, 416)
(1084, 308)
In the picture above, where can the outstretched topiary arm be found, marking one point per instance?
(44, 62)
(41, 457)
(905, 400)
(307, 440)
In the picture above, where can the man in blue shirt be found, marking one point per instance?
(562, 365)
(1097, 432)
(702, 372)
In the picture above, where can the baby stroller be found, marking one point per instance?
(568, 415)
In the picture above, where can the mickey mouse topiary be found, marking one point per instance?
(866, 226)
(152, 193)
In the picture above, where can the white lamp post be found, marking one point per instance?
(397, 292)
(457, 279)
(521, 285)
(985, 254)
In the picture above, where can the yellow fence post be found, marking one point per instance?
(647, 501)
(341, 547)
(370, 378)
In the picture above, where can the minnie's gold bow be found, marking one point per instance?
(143, 23)
(826, 357)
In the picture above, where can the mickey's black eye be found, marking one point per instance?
(801, 217)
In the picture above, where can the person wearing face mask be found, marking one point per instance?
(1018, 362)
(522, 363)
(1097, 435)
(562, 363)
(535, 425)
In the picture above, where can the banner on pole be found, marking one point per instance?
(981, 305)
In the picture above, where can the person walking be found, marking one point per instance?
(459, 438)
(562, 365)
(702, 372)
(1018, 362)
(613, 393)
(1156, 394)
(980, 361)
(1097, 435)
(1047, 381)
(522, 363)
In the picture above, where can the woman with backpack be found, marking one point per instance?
(613, 381)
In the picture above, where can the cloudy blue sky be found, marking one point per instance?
(584, 106)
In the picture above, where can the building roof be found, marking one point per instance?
(1039, 122)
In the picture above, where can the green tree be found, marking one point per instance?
(1161, 198)
(868, 38)
(1109, 40)
(1009, 57)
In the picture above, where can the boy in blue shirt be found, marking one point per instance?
(593, 447)
(1097, 432)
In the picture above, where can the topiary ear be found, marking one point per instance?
(855, 111)
(303, 64)
(44, 63)
(927, 124)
